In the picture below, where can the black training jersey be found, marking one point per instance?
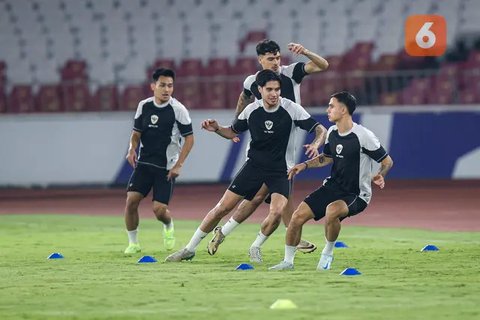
(291, 75)
(272, 132)
(352, 154)
(161, 128)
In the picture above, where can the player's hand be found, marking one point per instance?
(379, 181)
(296, 170)
(236, 139)
(132, 158)
(311, 150)
(296, 48)
(210, 125)
(173, 173)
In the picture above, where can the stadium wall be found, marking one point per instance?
(89, 148)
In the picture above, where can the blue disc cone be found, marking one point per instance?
(430, 247)
(340, 244)
(55, 255)
(350, 272)
(147, 259)
(244, 266)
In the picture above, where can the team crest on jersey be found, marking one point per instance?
(339, 148)
(154, 118)
(268, 124)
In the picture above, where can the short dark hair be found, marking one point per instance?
(347, 99)
(163, 72)
(267, 75)
(267, 46)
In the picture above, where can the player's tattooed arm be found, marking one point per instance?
(385, 166)
(311, 150)
(319, 161)
(243, 101)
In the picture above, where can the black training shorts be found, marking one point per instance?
(250, 178)
(323, 196)
(146, 177)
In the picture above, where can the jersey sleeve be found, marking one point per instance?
(371, 146)
(301, 118)
(137, 123)
(240, 124)
(247, 85)
(326, 148)
(296, 71)
(183, 120)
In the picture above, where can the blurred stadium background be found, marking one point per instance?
(73, 71)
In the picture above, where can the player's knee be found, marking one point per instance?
(257, 200)
(276, 213)
(333, 212)
(132, 203)
(221, 210)
(160, 210)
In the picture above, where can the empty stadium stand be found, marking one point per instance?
(85, 55)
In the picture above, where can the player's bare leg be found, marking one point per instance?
(304, 246)
(269, 225)
(223, 207)
(335, 210)
(163, 214)
(132, 220)
(243, 211)
(294, 234)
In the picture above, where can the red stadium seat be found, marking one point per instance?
(160, 63)
(76, 97)
(190, 68)
(74, 70)
(386, 62)
(214, 93)
(390, 98)
(3, 102)
(48, 99)
(131, 96)
(245, 66)
(105, 98)
(217, 67)
(188, 92)
(21, 99)
(3, 75)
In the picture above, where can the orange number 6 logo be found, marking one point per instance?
(425, 35)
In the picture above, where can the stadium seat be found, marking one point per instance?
(131, 96)
(160, 63)
(48, 99)
(74, 70)
(21, 99)
(105, 98)
(76, 97)
(245, 66)
(3, 102)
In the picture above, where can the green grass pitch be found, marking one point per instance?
(96, 281)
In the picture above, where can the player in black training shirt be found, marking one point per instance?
(271, 122)
(161, 123)
(352, 149)
(291, 76)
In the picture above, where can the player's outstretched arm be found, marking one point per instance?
(213, 126)
(379, 178)
(316, 63)
(311, 150)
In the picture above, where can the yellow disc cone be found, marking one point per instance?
(283, 304)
